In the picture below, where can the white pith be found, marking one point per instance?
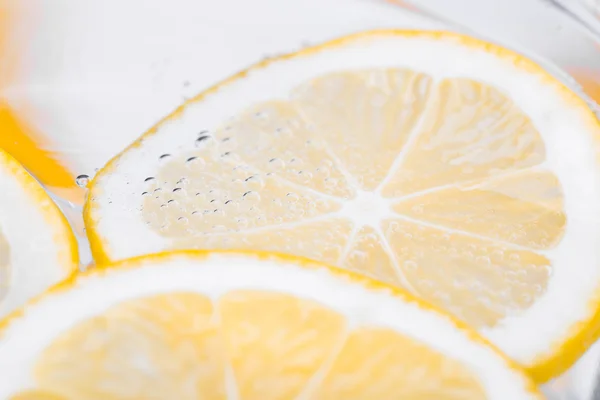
(38, 237)
(24, 339)
(568, 132)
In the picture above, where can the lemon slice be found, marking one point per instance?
(37, 246)
(453, 168)
(243, 326)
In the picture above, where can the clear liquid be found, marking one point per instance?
(84, 92)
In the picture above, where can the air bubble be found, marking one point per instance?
(255, 182)
(195, 162)
(324, 171)
(277, 163)
(331, 182)
(82, 181)
(261, 115)
(202, 141)
(251, 195)
(242, 223)
(305, 175)
(292, 197)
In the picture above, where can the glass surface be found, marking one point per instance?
(80, 80)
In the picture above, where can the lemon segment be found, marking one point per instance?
(37, 247)
(278, 328)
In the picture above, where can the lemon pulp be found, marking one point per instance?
(258, 344)
(436, 186)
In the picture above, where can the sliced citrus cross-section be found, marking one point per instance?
(37, 246)
(243, 326)
(451, 167)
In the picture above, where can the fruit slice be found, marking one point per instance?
(451, 167)
(28, 147)
(244, 326)
(37, 246)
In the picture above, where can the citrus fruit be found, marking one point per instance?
(37, 246)
(30, 148)
(451, 167)
(244, 326)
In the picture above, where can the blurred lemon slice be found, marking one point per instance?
(37, 246)
(451, 167)
(250, 326)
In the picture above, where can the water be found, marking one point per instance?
(107, 87)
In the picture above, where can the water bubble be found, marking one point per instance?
(145, 193)
(261, 115)
(183, 220)
(292, 197)
(164, 157)
(177, 189)
(251, 196)
(283, 132)
(195, 162)
(305, 175)
(149, 179)
(157, 190)
(331, 182)
(202, 141)
(82, 181)
(277, 163)
(255, 182)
